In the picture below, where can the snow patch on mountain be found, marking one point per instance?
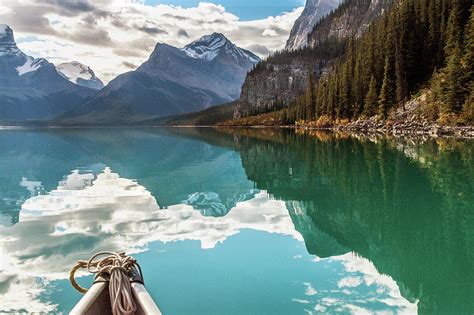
(207, 47)
(31, 64)
(79, 74)
(210, 46)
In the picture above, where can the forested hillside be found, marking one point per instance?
(283, 76)
(418, 43)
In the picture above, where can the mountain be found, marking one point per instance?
(210, 204)
(313, 12)
(207, 117)
(211, 46)
(280, 79)
(31, 88)
(207, 72)
(80, 74)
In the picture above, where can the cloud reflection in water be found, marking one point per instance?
(89, 213)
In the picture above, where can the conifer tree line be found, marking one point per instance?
(417, 43)
(329, 49)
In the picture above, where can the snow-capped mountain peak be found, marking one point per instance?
(212, 41)
(79, 74)
(14, 61)
(207, 47)
(7, 41)
(210, 46)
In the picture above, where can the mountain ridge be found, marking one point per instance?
(166, 82)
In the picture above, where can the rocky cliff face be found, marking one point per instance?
(274, 85)
(352, 17)
(314, 11)
(283, 77)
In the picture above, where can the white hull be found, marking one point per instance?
(96, 301)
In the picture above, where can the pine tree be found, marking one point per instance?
(387, 98)
(453, 30)
(454, 94)
(321, 102)
(468, 57)
(434, 36)
(358, 89)
(371, 99)
(468, 108)
(332, 92)
(310, 100)
(387, 92)
(406, 49)
(346, 95)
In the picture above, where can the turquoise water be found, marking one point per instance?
(241, 221)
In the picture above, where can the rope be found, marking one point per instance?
(119, 268)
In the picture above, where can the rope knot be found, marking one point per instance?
(120, 290)
(119, 268)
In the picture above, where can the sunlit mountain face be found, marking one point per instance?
(235, 218)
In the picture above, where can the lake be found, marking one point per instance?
(241, 221)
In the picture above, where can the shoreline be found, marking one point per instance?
(465, 132)
(358, 127)
(433, 131)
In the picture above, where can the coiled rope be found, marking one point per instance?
(119, 268)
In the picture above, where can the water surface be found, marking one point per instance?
(241, 221)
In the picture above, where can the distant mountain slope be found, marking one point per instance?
(208, 117)
(314, 11)
(31, 88)
(80, 74)
(172, 81)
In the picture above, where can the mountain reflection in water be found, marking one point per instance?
(387, 223)
(406, 205)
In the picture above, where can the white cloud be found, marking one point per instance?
(270, 32)
(320, 308)
(310, 290)
(385, 284)
(4, 10)
(349, 282)
(301, 301)
(354, 309)
(110, 34)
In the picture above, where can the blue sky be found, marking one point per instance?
(245, 9)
